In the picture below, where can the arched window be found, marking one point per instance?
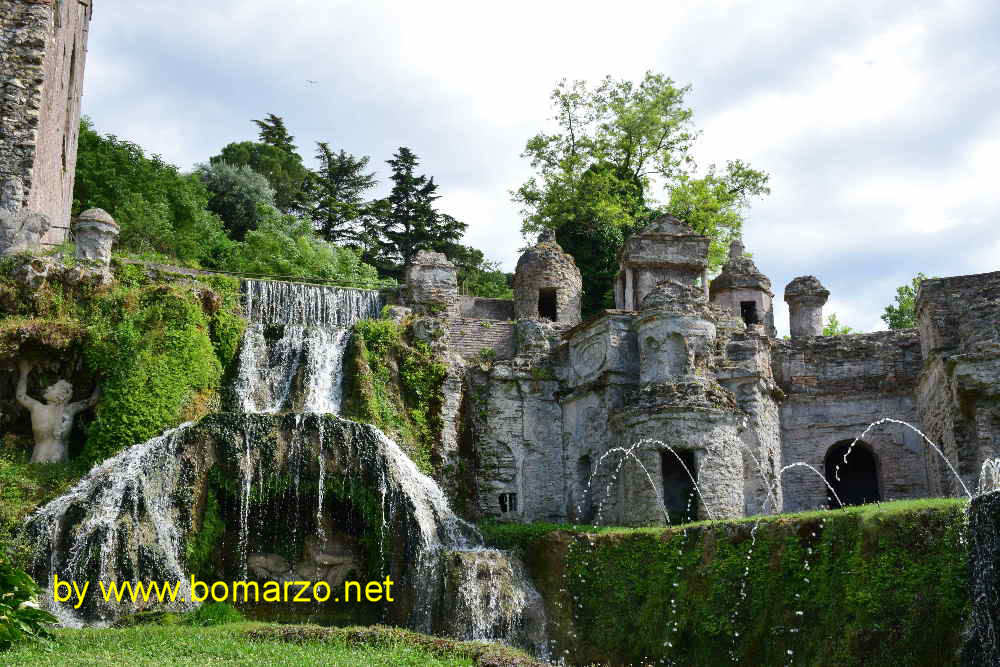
(856, 479)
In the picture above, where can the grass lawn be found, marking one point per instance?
(253, 644)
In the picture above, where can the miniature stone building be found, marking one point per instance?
(744, 291)
(547, 284)
(43, 48)
(665, 250)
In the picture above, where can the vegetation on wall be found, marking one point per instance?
(903, 313)
(395, 383)
(158, 350)
(888, 583)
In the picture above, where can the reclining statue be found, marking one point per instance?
(51, 421)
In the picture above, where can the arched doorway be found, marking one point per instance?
(856, 479)
(679, 497)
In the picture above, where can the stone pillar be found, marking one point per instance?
(432, 284)
(806, 297)
(629, 289)
(95, 232)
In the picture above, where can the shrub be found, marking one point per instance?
(214, 613)
(20, 620)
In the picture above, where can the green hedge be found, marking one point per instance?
(873, 586)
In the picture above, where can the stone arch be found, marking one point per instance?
(856, 481)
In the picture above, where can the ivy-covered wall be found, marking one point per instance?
(396, 383)
(875, 586)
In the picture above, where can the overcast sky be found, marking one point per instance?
(880, 127)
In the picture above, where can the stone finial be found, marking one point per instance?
(547, 236)
(95, 232)
(806, 297)
(736, 249)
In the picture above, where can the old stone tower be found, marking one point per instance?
(43, 49)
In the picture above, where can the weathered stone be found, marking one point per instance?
(665, 250)
(806, 297)
(43, 48)
(432, 284)
(547, 284)
(95, 232)
(22, 231)
(744, 291)
(52, 420)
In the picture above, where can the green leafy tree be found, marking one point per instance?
(833, 327)
(159, 209)
(478, 276)
(276, 158)
(903, 315)
(406, 221)
(714, 204)
(336, 190)
(283, 245)
(616, 145)
(236, 195)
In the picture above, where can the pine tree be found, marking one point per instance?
(274, 133)
(406, 221)
(336, 191)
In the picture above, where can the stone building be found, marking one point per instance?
(43, 49)
(682, 402)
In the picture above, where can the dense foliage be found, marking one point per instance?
(239, 196)
(903, 314)
(19, 619)
(159, 209)
(596, 177)
(397, 385)
(882, 585)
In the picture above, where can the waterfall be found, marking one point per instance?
(131, 517)
(293, 349)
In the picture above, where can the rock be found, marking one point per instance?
(21, 231)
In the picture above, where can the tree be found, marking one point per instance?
(275, 157)
(406, 221)
(283, 245)
(835, 328)
(274, 133)
(336, 190)
(237, 193)
(713, 205)
(159, 209)
(478, 276)
(616, 145)
(903, 315)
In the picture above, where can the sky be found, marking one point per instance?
(878, 122)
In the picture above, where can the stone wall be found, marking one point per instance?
(982, 641)
(835, 387)
(43, 45)
(469, 337)
(474, 307)
(960, 386)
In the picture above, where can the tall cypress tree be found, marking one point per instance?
(336, 190)
(406, 221)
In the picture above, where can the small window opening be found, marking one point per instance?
(508, 503)
(748, 309)
(679, 496)
(547, 304)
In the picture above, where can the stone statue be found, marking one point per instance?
(51, 421)
(95, 232)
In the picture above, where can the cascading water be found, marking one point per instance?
(131, 517)
(293, 349)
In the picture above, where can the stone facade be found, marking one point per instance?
(612, 419)
(43, 48)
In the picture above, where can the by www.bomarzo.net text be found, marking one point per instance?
(222, 591)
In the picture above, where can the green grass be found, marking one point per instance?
(221, 645)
